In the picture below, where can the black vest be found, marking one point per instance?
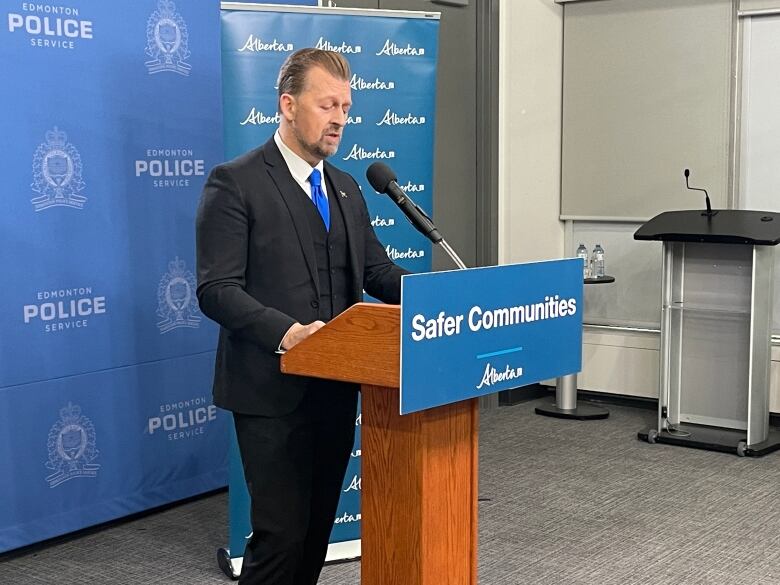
(332, 257)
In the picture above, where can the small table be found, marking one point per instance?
(565, 405)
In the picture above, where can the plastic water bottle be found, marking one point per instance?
(597, 260)
(582, 252)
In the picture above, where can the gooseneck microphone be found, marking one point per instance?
(709, 212)
(384, 180)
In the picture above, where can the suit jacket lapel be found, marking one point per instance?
(342, 195)
(295, 200)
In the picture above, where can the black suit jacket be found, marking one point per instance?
(257, 274)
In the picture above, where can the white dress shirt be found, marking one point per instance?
(299, 168)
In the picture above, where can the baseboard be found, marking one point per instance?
(522, 394)
(343, 552)
(617, 399)
(534, 391)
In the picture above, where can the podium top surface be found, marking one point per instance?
(726, 226)
(361, 345)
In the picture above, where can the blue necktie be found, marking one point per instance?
(318, 197)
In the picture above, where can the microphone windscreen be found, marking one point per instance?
(687, 173)
(379, 176)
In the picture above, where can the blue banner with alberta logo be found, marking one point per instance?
(393, 61)
(473, 332)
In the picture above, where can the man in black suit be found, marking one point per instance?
(284, 243)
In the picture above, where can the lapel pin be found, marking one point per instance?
(344, 195)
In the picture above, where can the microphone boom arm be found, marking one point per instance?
(455, 258)
(432, 233)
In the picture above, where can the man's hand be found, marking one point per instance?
(298, 333)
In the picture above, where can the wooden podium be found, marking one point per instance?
(419, 477)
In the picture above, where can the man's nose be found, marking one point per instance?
(340, 119)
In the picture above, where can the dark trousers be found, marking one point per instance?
(294, 467)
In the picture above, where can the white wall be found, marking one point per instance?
(531, 45)
(530, 86)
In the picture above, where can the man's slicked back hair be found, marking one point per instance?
(292, 75)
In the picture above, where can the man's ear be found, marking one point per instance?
(287, 107)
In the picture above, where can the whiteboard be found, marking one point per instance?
(759, 155)
(647, 88)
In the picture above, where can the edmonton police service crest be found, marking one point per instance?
(176, 303)
(71, 447)
(167, 40)
(57, 173)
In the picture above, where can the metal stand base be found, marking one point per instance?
(713, 439)
(583, 411)
(566, 405)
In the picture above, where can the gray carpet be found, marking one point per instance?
(568, 503)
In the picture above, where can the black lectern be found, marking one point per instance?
(716, 311)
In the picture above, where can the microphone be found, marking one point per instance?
(384, 180)
(709, 212)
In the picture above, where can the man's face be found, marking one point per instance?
(316, 118)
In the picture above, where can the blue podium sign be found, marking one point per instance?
(469, 333)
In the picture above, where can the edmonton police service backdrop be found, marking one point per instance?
(393, 61)
(111, 119)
